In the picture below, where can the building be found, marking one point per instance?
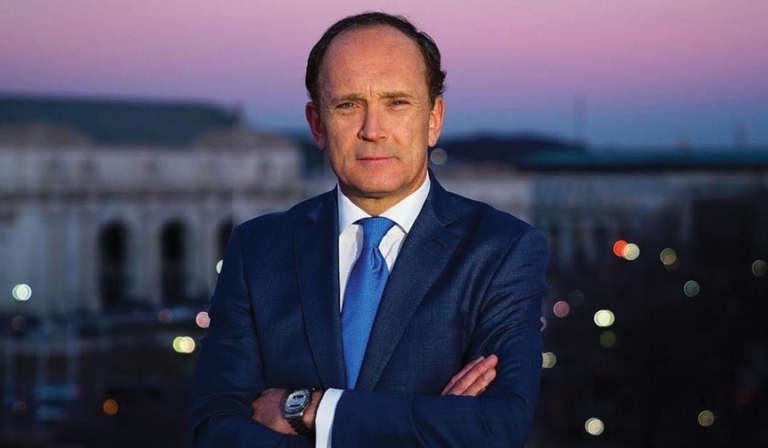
(109, 203)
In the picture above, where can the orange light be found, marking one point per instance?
(618, 248)
(110, 407)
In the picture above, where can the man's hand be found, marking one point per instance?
(472, 380)
(268, 410)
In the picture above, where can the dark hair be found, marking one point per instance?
(427, 46)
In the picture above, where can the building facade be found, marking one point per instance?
(94, 221)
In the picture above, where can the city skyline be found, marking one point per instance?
(635, 73)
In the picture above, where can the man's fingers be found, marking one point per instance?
(479, 385)
(473, 378)
(461, 373)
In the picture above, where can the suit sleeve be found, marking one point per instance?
(229, 370)
(508, 324)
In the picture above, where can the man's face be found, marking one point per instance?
(374, 119)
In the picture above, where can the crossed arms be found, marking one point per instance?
(233, 405)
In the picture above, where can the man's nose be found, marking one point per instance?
(372, 128)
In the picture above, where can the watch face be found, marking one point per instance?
(297, 401)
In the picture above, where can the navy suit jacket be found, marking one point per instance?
(468, 281)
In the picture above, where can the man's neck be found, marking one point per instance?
(376, 206)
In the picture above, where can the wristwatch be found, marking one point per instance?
(293, 409)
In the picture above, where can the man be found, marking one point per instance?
(295, 357)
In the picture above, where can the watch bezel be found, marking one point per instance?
(297, 407)
(294, 412)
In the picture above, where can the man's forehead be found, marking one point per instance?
(381, 50)
(353, 42)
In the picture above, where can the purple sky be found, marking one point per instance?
(642, 71)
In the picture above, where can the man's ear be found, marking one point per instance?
(436, 116)
(312, 114)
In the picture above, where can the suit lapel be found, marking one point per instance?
(423, 257)
(317, 266)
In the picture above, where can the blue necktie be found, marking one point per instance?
(361, 300)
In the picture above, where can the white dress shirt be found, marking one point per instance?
(404, 214)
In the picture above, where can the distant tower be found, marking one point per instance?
(580, 120)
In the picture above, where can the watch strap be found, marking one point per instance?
(297, 423)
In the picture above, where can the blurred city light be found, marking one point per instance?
(110, 407)
(548, 360)
(561, 308)
(691, 288)
(438, 156)
(165, 316)
(202, 320)
(669, 259)
(19, 407)
(759, 268)
(594, 426)
(183, 344)
(706, 418)
(668, 256)
(631, 252)
(618, 248)
(576, 297)
(218, 266)
(21, 292)
(607, 339)
(604, 318)
(19, 323)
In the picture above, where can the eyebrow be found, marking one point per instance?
(386, 95)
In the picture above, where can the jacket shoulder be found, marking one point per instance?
(283, 220)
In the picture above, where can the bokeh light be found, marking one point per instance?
(19, 407)
(631, 252)
(706, 418)
(759, 268)
(607, 339)
(618, 248)
(576, 297)
(19, 323)
(594, 426)
(202, 320)
(438, 156)
(110, 407)
(668, 256)
(604, 318)
(183, 344)
(219, 265)
(561, 308)
(165, 316)
(548, 360)
(21, 292)
(669, 259)
(691, 288)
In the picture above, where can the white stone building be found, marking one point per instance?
(94, 216)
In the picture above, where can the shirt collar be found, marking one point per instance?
(403, 213)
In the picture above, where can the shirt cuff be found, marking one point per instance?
(326, 410)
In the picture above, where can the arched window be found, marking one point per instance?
(113, 264)
(173, 251)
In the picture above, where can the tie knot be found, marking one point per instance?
(374, 230)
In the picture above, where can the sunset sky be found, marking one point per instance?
(649, 72)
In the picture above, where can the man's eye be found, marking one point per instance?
(347, 105)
